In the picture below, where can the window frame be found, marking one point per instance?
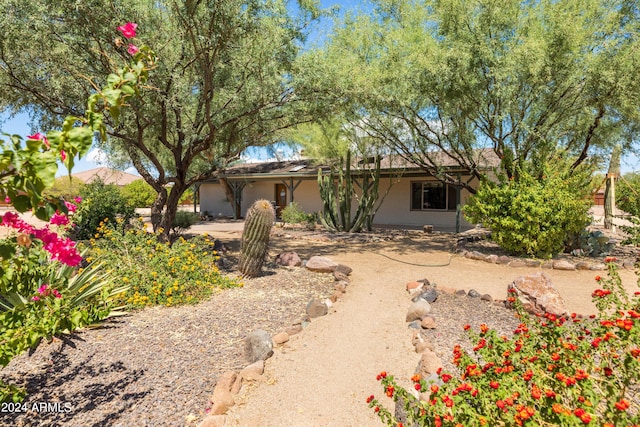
(448, 192)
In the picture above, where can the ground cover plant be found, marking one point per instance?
(554, 370)
(157, 273)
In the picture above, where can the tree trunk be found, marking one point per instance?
(171, 207)
(156, 209)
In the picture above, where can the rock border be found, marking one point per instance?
(259, 344)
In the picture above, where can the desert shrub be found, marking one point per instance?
(293, 214)
(628, 194)
(100, 201)
(187, 196)
(158, 273)
(65, 187)
(139, 194)
(183, 221)
(530, 216)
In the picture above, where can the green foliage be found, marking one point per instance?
(439, 80)
(100, 202)
(187, 196)
(293, 214)
(65, 187)
(46, 298)
(532, 217)
(183, 221)
(552, 371)
(589, 243)
(255, 237)
(139, 194)
(628, 193)
(157, 273)
(235, 57)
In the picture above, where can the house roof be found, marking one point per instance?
(307, 168)
(107, 175)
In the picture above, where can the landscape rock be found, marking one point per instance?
(222, 398)
(583, 266)
(424, 345)
(340, 276)
(503, 259)
(492, 258)
(293, 329)
(628, 265)
(538, 294)
(517, 263)
(344, 269)
(562, 264)
(428, 322)
(334, 297)
(598, 266)
(280, 338)
(213, 421)
(429, 295)
(340, 287)
(413, 286)
(478, 256)
(321, 264)
(461, 292)
(418, 310)
(316, 308)
(253, 372)
(424, 281)
(258, 346)
(416, 324)
(429, 363)
(486, 297)
(473, 293)
(288, 259)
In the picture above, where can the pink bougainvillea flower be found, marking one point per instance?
(7, 199)
(56, 293)
(71, 207)
(133, 49)
(63, 155)
(59, 219)
(39, 137)
(78, 199)
(35, 298)
(42, 290)
(128, 30)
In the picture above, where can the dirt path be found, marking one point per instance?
(323, 375)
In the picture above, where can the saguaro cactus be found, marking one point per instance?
(255, 237)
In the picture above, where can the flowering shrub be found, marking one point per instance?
(158, 273)
(41, 291)
(568, 371)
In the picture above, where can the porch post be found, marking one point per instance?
(237, 187)
(291, 187)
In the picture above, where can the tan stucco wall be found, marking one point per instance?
(395, 209)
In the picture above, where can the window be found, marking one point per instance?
(432, 195)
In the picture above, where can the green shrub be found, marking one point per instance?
(65, 187)
(100, 202)
(293, 214)
(158, 273)
(139, 194)
(532, 217)
(183, 221)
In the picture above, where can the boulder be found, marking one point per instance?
(288, 259)
(252, 372)
(537, 294)
(316, 308)
(418, 310)
(321, 264)
(258, 346)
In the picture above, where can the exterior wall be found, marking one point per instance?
(395, 209)
(214, 201)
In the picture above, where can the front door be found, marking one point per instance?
(281, 198)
